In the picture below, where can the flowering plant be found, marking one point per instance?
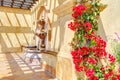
(115, 46)
(89, 48)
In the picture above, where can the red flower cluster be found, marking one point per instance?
(92, 60)
(80, 51)
(108, 74)
(93, 78)
(111, 58)
(99, 48)
(86, 57)
(78, 10)
(88, 25)
(90, 72)
(73, 25)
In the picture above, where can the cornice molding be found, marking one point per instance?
(64, 8)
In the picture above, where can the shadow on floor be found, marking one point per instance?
(13, 67)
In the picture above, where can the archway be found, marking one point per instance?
(42, 13)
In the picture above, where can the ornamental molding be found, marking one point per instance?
(64, 8)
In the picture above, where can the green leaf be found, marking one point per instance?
(97, 4)
(96, 27)
(94, 20)
(92, 43)
(98, 72)
(112, 66)
(91, 66)
(94, 13)
(89, 32)
(79, 36)
(97, 69)
(78, 79)
(86, 16)
(118, 57)
(92, 17)
(101, 79)
(82, 39)
(73, 39)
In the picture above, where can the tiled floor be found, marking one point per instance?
(13, 67)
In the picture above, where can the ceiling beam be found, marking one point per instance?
(14, 10)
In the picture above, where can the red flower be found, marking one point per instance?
(113, 78)
(90, 72)
(108, 74)
(92, 32)
(93, 78)
(88, 25)
(111, 58)
(79, 68)
(102, 68)
(75, 15)
(78, 10)
(99, 52)
(119, 70)
(92, 60)
(77, 58)
(118, 77)
(85, 50)
(74, 53)
(82, 7)
(71, 26)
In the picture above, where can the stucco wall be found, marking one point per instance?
(60, 15)
(110, 17)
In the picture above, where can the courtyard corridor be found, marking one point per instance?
(13, 67)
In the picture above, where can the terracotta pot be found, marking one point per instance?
(42, 35)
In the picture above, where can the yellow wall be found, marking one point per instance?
(59, 15)
(14, 29)
(110, 17)
(45, 8)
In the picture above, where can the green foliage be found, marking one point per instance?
(92, 43)
(118, 57)
(115, 46)
(112, 66)
(79, 79)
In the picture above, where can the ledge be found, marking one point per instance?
(44, 52)
(51, 53)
